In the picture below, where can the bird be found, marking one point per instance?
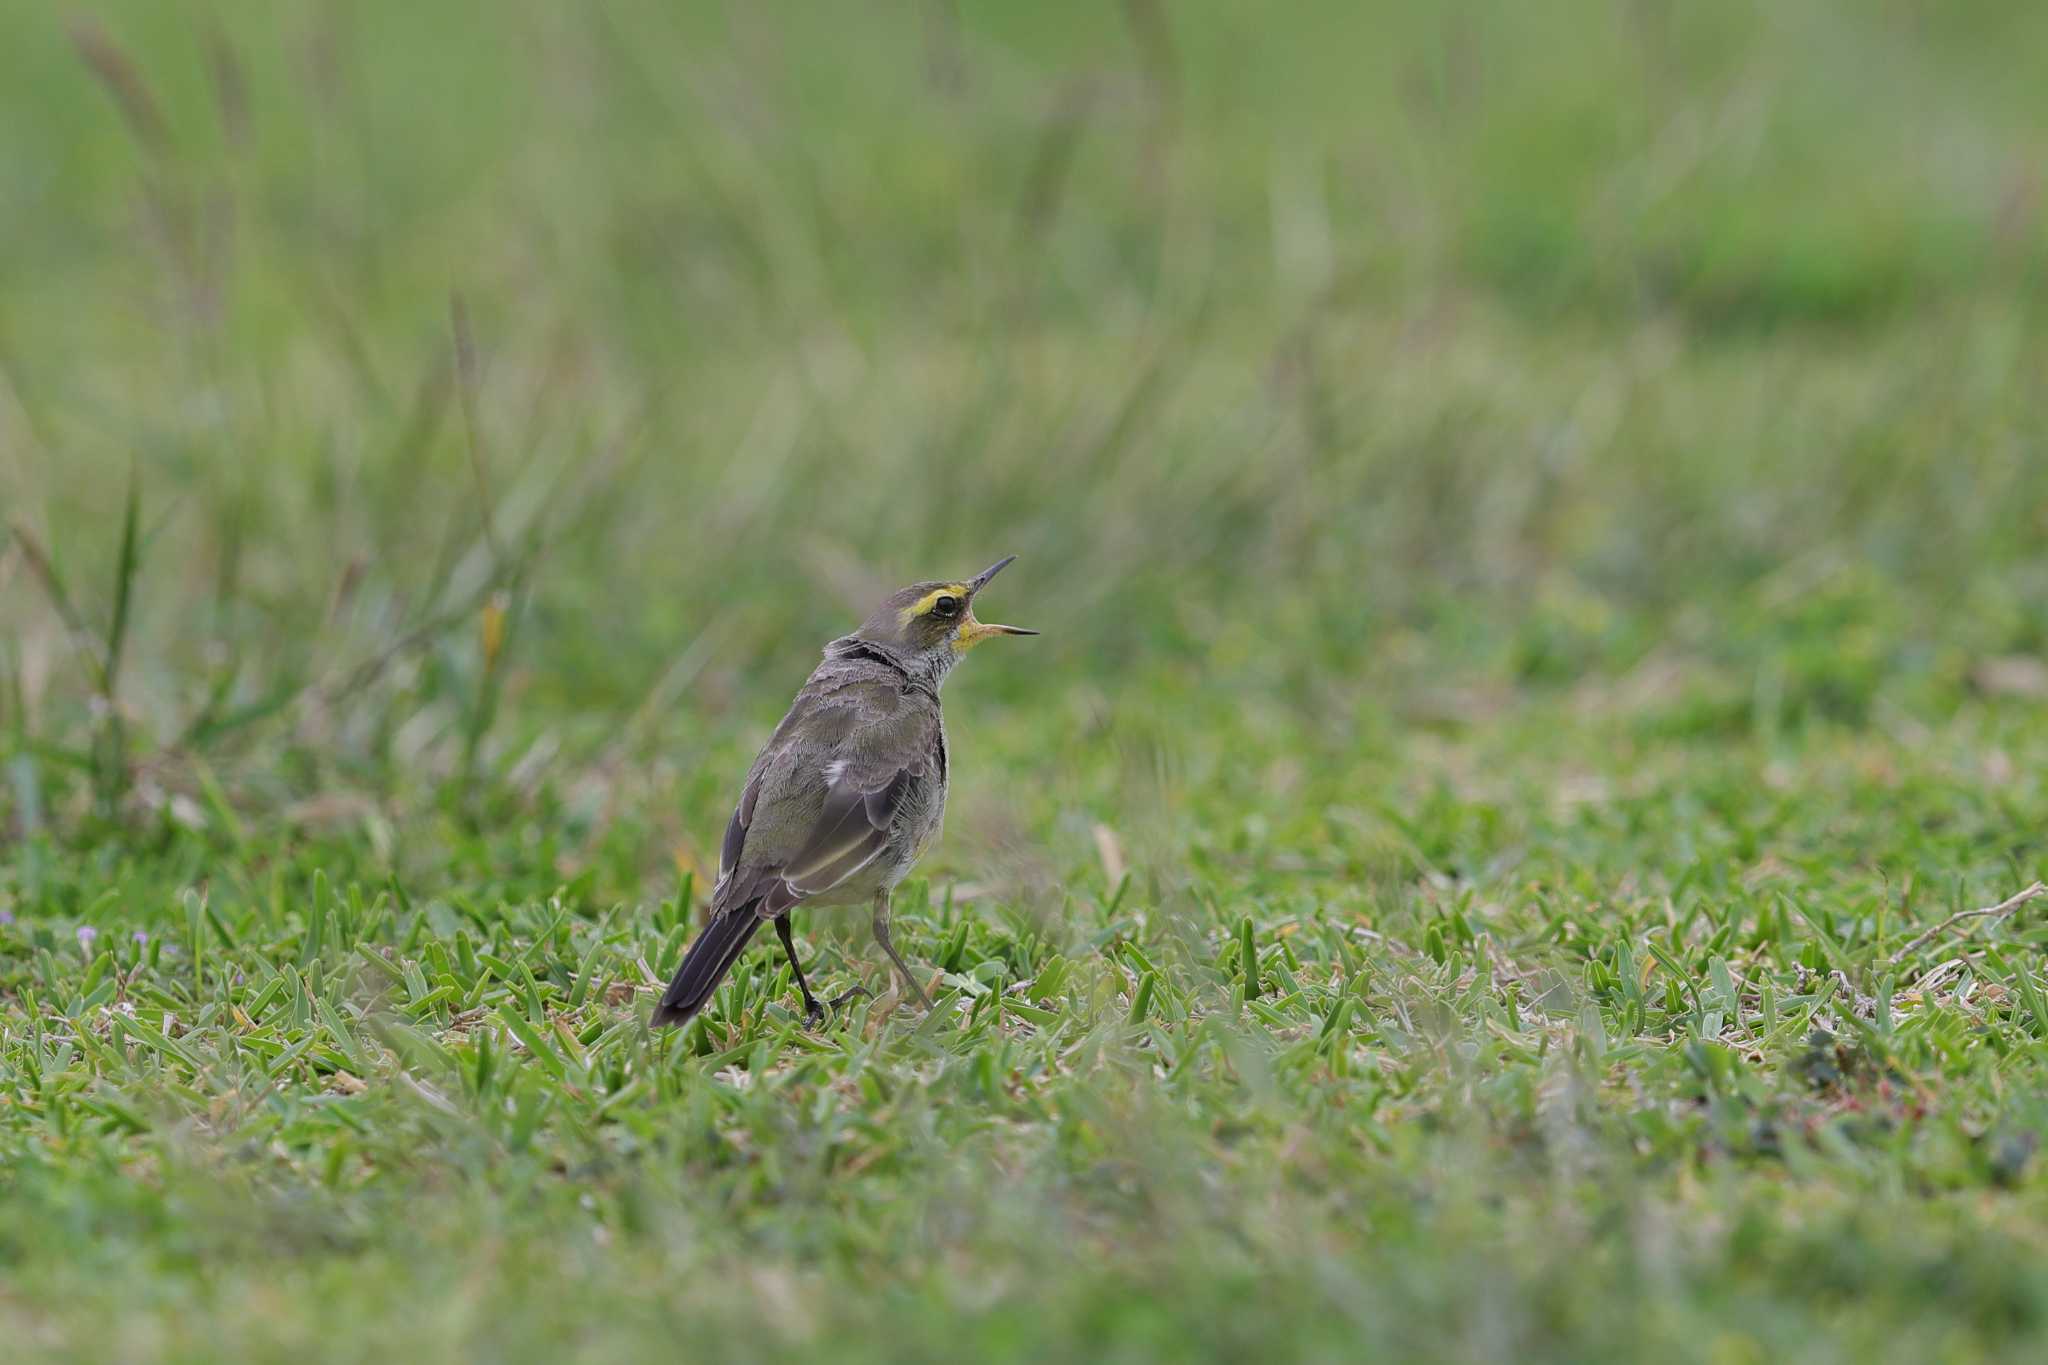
(848, 793)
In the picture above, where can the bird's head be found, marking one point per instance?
(933, 623)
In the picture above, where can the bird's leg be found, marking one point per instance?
(814, 1013)
(881, 925)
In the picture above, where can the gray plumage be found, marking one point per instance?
(849, 791)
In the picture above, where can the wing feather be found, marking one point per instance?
(853, 830)
(814, 814)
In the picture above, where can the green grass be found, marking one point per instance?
(1538, 515)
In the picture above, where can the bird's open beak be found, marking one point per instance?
(980, 630)
(972, 632)
(981, 579)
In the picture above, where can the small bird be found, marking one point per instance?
(847, 794)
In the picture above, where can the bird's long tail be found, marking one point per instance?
(705, 965)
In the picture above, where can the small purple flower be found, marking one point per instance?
(141, 937)
(86, 934)
(6, 915)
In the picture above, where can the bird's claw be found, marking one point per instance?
(816, 1014)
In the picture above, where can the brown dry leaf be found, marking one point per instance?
(331, 808)
(687, 863)
(1111, 850)
(2012, 675)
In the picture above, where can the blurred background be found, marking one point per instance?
(1537, 513)
(401, 402)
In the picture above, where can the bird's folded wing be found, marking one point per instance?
(809, 819)
(852, 830)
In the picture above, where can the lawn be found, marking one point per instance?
(1539, 518)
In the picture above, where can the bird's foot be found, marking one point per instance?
(817, 1013)
(924, 1001)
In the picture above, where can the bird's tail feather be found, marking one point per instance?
(705, 965)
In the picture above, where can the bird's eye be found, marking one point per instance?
(946, 606)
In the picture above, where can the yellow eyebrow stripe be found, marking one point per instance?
(924, 603)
